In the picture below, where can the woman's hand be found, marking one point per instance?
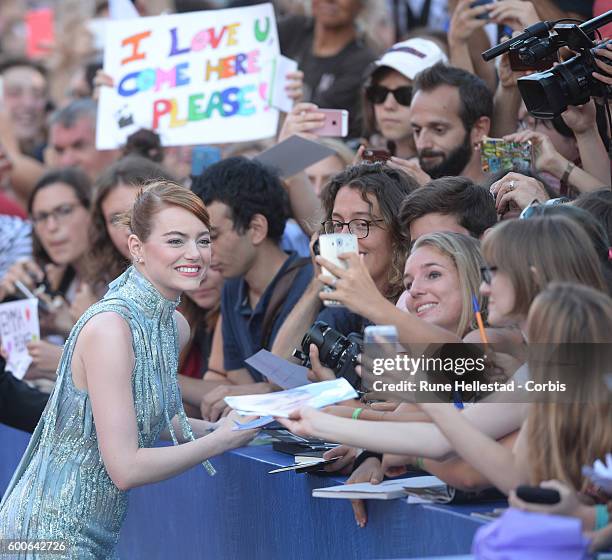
(295, 86)
(28, 272)
(517, 190)
(353, 287)
(568, 505)
(410, 167)
(317, 371)
(369, 471)
(303, 119)
(304, 422)
(516, 14)
(465, 21)
(45, 356)
(547, 158)
(231, 439)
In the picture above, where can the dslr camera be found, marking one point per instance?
(547, 94)
(336, 351)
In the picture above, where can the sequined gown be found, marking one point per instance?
(61, 490)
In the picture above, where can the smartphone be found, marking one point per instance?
(203, 157)
(374, 156)
(538, 495)
(335, 124)
(330, 246)
(482, 3)
(498, 155)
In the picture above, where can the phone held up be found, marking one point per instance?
(335, 124)
(330, 246)
(374, 156)
(497, 154)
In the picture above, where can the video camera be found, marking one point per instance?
(336, 351)
(547, 94)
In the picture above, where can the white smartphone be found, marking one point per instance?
(330, 246)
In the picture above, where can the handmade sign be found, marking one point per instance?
(196, 78)
(18, 326)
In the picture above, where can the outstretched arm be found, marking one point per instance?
(413, 438)
(107, 376)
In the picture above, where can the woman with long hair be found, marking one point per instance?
(114, 194)
(117, 391)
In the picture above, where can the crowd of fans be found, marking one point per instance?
(434, 231)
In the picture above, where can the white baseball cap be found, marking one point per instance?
(411, 56)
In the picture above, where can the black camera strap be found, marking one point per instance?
(278, 297)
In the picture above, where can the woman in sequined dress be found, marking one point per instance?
(117, 391)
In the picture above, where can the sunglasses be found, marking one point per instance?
(377, 94)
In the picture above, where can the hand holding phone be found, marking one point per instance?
(330, 246)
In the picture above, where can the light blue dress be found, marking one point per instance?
(61, 490)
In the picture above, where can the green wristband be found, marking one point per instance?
(356, 413)
(419, 463)
(602, 517)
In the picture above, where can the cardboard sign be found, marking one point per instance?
(18, 326)
(197, 78)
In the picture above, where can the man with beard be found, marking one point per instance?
(450, 114)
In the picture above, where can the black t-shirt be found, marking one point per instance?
(332, 82)
(20, 405)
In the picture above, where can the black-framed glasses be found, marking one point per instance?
(59, 214)
(377, 94)
(486, 273)
(360, 228)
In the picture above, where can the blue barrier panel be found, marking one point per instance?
(244, 513)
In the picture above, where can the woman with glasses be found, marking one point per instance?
(59, 211)
(388, 94)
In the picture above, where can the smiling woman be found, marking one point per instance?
(109, 407)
